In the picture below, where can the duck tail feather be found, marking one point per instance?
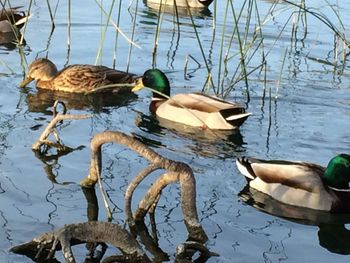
(244, 166)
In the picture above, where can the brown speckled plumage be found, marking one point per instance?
(77, 78)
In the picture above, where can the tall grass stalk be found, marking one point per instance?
(156, 35)
(209, 78)
(103, 33)
(25, 25)
(241, 48)
(117, 27)
(325, 20)
(51, 15)
(68, 29)
(228, 52)
(132, 36)
(222, 42)
(117, 35)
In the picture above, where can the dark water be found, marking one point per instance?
(309, 120)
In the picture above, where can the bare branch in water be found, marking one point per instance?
(47, 243)
(50, 129)
(176, 172)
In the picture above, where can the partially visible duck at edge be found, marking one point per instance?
(11, 20)
(13, 16)
(182, 3)
(301, 184)
(193, 109)
(78, 78)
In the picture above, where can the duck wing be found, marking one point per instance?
(13, 15)
(82, 78)
(299, 175)
(233, 113)
(117, 76)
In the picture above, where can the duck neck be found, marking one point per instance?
(155, 103)
(336, 179)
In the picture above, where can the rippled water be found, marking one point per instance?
(309, 120)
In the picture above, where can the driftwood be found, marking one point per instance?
(43, 247)
(176, 172)
(50, 129)
(114, 234)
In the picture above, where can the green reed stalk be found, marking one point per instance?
(222, 43)
(241, 51)
(51, 15)
(68, 29)
(132, 37)
(156, 35)
(209, 78)
(104, 30)
(117, 35)
(206, 85)
(25, 25)
(325, 20)
(226, 91)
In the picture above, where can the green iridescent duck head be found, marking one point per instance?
(337, 174)
(156, 80)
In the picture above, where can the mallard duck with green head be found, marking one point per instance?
(182, 3)
(78, 78)
(302, 184)
(193, 109)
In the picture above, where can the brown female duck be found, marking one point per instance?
(78, 78)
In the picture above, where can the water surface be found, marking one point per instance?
(307, 121)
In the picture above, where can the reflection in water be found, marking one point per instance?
(206, 142)
(44, 99)
(332, 233)
(92, 204)
(51, 162)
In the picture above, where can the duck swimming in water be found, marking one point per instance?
(78, 78)
(193, 109)
(302, 184)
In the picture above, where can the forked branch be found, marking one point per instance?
(51, 129)
(176, 172)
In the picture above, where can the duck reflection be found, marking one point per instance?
(42, 100)
(332, 232)
(205, 142)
